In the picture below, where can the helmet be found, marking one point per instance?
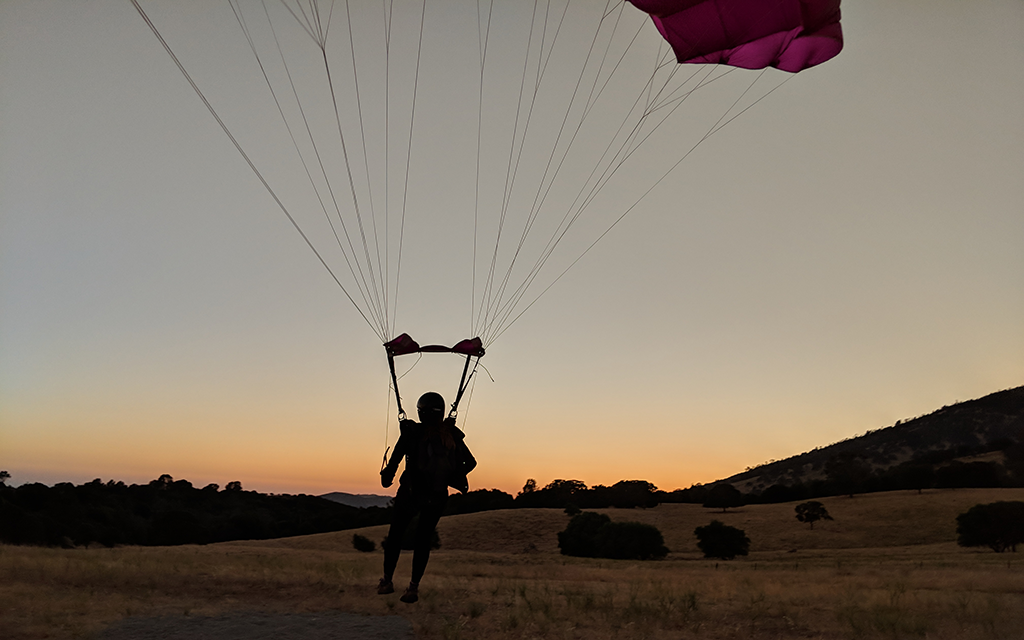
(430, 405)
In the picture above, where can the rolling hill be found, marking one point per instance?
(872, 521)
(978, 430)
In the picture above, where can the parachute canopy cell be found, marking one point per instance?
(404, 344)
(791, 35)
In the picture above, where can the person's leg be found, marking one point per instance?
(430, 514)
(404, 511)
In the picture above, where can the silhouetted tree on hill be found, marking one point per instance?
(694, 494)
(557, 494)
(479, 500)
(847, 473)
(1014, 460)
(723, 496)
(910, 475)
(812, 511)
(969, 474)
(625, 494)
(783, 493)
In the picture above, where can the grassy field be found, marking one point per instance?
(887, 567)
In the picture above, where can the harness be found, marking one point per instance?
(404, 345)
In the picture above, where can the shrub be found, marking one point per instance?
(594, 535)
(999, 526)
(719, 540)
(580, 535)
(362, 543)
(630, 541)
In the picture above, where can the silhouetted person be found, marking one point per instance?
(436, 457)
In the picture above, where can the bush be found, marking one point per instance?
(999, 526)
(630, 541)
(594, 535)
(362, 543)
(580, 535)
(719, 540)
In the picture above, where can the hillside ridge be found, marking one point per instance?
(992, 423)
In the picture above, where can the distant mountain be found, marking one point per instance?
(361, 500)
(973, 431)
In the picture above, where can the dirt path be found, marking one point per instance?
(262, 626)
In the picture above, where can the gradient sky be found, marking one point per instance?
(848, 253)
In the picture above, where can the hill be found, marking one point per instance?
(980, 430)
(873, 521)
(360, 500)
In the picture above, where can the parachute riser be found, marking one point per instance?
(394, 382)
(463, 384)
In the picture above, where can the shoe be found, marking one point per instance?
(385, 587)
(412, 594)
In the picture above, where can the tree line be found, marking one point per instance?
(164, 511)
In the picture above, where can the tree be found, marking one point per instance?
(628, 494)
(529, 487)
(718, 540)
(4, 477)
(478, 500)
(812, 511)
(969, 474)
(557, 494)
(1014, 459)
(847, 472)
(914, 475)
(723, 496)
(998, 526)
(594, 535)
(782, 493)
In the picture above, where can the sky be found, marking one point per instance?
(845, 254)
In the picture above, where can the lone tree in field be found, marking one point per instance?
(723, 496)
(999, 526)
(812, 511)
(718, 540)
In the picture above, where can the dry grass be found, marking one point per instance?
(886, 568)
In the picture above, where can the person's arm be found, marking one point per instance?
(387, 474)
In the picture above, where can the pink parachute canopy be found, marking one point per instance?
(753, 34)
(404, 344)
